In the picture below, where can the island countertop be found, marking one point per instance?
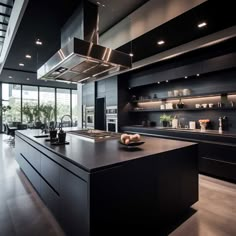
(93, 156)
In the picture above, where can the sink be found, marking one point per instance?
(42, 136)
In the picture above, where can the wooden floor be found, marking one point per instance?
(23, 213)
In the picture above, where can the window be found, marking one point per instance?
(75, 109)
(30, 111)
(11, 103)
(63, 105)
(47, 104)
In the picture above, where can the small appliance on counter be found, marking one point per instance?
(175, 122)
(192, 125)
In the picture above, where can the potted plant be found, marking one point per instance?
(165, 119)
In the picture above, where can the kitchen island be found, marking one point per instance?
(104, 188)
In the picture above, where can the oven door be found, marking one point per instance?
(90, 120)
(111, 125)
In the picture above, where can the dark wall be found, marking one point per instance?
(218, 84)
(88, 94)
(210, 71)
(107, 88)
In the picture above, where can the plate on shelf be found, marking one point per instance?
(132, 144)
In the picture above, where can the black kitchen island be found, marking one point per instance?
(103, 188)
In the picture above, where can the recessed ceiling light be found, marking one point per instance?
(38, 42)
(158, 82)
(198, 75)
(103, 5)
(167, 81)
(160, 42)
(131, 54)
(202, 24)
(21, 64)
(28, 56)
(10, 77)
(28, 78)
(98, 3)
(185, 77)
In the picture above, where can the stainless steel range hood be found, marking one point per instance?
(81, 60)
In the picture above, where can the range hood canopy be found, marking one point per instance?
(81, 58)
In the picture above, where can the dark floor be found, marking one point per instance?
(22, 213)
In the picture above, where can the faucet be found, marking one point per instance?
(61, 125)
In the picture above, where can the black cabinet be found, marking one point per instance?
(50, 197)
(218, 160)
(74, 212)
(50, 171)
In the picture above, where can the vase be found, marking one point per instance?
(165, 123)
(203, 126)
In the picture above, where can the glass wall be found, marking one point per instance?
(30, 111)
(11, 103)
(34, 105)
(63, 105)
(75, 109)
(47, 104)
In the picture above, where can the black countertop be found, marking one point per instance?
(187, 134)
(92, 156)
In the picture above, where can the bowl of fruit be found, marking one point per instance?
(130, 140)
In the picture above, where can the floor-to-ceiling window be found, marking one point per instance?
(30, 111)
(47, 104)
(63, 105)
(34, 105)
(75, 109)
(11, 103)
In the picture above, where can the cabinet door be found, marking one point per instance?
(33, 156)
(50, 197)
(217, 160)
(73, 204)
(51, 172)
(31, 174)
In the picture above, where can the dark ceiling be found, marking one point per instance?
(43, 19)
(182, 29)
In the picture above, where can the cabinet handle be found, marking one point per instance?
(212, 159)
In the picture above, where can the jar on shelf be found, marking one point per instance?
(180, 104)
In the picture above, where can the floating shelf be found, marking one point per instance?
(186, 109)
(182, 97)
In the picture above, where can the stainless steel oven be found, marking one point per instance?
(89, 117)
(111, 119)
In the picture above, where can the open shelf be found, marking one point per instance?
(183, 97)
(185, 109)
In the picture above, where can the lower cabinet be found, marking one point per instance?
(29, 171)
(50, 197)
(64, 193)
(73, 204)
(218, 160)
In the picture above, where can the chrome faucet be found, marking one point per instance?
(61, 125)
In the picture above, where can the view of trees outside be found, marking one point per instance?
(63, 105)
(34, 110)
(47, 103)
(29, 103)
(75, 109)
(11, 95)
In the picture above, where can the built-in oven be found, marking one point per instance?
(89, 117)
(111, 119)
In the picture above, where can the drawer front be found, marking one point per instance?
(218, 168)
(50, 197)
(51, 172)
(21, 146)
(218, 152)
(31, 174)
(33, 156)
